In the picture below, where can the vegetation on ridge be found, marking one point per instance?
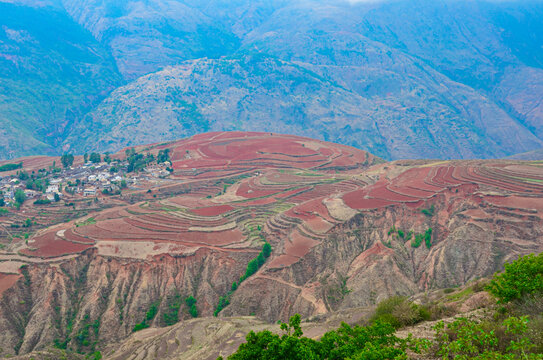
(514, 333)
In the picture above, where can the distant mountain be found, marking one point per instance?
(530, 155)
(51, 73)
(418, 79)
(257, 92)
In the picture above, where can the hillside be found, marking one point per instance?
(345, 231)
(51, 73)
(402, 79)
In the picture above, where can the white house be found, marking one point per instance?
(52, 189)
(90, 191)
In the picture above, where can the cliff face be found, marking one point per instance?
(96, 300)
(359, 263)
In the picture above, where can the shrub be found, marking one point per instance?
(191, 304)
(149, 316)
(252, 268)
(372, 342)
(428, 238)
(42, 202)
(171, 316)
(521, 277)
(398, 311)
(429, 212)
(470, 339)
(10, 167)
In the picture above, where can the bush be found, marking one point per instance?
(149, 316)
(171, 316)
(372, 342)
(429, 212)
(470, 339)
(42, 202)
(10, 167)
(521, 277)
(191, 304)
(398, 311)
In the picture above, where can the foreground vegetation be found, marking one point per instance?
(515, 331)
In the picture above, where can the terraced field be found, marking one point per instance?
(346, 229)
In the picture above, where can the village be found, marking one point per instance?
(86, 180)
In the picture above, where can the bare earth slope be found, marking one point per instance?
(347, 230)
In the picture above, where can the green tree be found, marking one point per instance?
(107, 158)
(95, 158)
(466, 339)
(20, 197)
(191, 304)
(86, 157)
(57, 197)
(357, 343)
(163, 155)
(266, 250)
(521, 277)
(67, 160)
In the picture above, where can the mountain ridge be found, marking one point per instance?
(448, 79)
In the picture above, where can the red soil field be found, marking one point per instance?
(7, 281)
(261, 149)
(250, 190)
(516, 202)
(213, 210)
(292, 192)
(382, 192)
(71, 236)
(264, 201)
(356, 200)
(299, 245)
(216, 238)
(282, 261)
(49, 245)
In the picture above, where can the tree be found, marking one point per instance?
(20, 197)
(107, 158)
(86, 157)
(163, 155)
(521, 277)
(357, 343)
(95, 158)
(191, 304)
(67, 160)
(266, 250)
(57, 197)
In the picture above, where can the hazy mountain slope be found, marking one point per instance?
(495, 47)
(258, 93)
(447, 78)
(51, 72)
(250, 92)
(145, 36)
(530, 155)
(404, 106)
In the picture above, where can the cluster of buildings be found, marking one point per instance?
(88, 180)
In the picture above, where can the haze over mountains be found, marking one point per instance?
(401, 79)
